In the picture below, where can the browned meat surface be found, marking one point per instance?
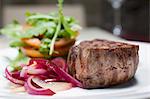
(102, 63)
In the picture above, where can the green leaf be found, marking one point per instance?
(40, 16)
(48, 24)
(64, 22)
(63, 34)
(49, 33)
(58, 28)
(17, 43)
(40, 29)
(46, 41)
(15, 22)
(70, 20)
(35, 31)
(45, 46)
(20, 59)
(54, 38)
(12, 30)
(44, 49)
(35, 18)
(68, 29)
(28, 13)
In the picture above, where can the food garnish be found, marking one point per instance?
(43, 77)
(40, 33)
(42, 42)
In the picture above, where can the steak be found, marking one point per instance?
(101, 63)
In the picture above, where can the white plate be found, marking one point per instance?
(138, 87)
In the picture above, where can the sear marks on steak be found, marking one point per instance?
(102, 63)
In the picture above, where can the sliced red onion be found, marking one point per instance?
(51, 75)
(46, 71)
(54, 86)
(64, 74)
(52, 80)
(41, 66)
(12, 79)
(15, 74)
(35, 71)
(61, 63)
(38, 61)
(31, 89)
(23, 72)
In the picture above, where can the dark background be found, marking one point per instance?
(99, 13)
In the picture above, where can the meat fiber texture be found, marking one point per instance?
(102, 63)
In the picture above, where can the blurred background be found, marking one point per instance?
(128, 19)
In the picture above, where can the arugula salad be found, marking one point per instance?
(43, 35)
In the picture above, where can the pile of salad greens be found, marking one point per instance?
(52, 27)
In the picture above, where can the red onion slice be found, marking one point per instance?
(15, 74)
(35, 71)
(23, 72)
(31, 89)
(53, 79)
(38, 60)
(54, 86)
(12, 79)
(64, 75)
(47, 72)
(40, 63)
(61, 63)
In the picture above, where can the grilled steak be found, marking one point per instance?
(102, 63)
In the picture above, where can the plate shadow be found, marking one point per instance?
(132, 82)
